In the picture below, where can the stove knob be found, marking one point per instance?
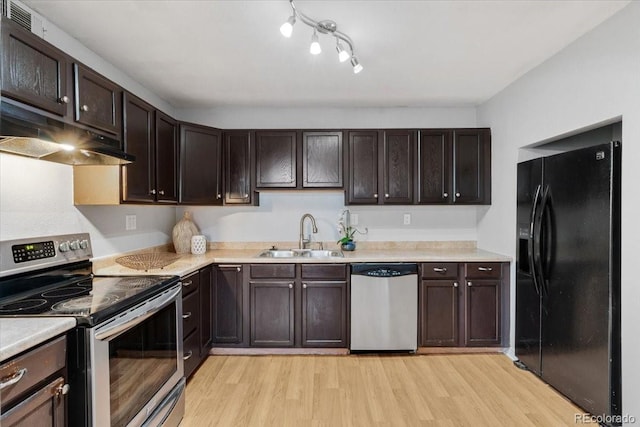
(84, 244)
(64, 246)
(75, 245)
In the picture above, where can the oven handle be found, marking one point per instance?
(133, 318)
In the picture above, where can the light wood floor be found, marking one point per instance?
(371, 390)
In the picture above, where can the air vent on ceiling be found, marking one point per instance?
(22, 16)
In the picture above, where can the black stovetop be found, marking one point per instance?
(71, 292)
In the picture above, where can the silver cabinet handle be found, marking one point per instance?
(469, 284)
(63, 99)
(445, 195)
(62, 390)
(13, 378)
(153, 192)
(386, 195)
(218, 196)
(290, 285)
(485, 269)
(186, 315)
(161, 192)
(457, 194)
(236, 266)
(375, 195)
(455, 284)
(187, 284)
(188, 355)
(85, 108)
(304, 286)
(246, 196)
(440, 269)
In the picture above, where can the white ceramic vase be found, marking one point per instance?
(182, 233)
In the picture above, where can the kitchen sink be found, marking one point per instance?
(300, 253)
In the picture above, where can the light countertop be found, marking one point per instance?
(190, 263)
(18, 334)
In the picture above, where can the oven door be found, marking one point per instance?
(137, 367)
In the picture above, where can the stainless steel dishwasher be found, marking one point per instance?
(384, 306)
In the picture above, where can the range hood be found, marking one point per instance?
(31, 134)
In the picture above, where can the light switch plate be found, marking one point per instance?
(407, 219)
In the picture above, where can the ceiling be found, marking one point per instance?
(202, 54)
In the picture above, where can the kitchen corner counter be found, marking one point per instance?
(190, 263)
(18, 334)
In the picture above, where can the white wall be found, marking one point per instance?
(594, 80)
(36, 199)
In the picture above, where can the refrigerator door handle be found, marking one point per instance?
(532, 233)
(547, 233)
(538, 269)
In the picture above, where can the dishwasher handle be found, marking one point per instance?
(384, 270)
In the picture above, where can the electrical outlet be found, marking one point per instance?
(130, 222)
(354, 219)
(406, 219)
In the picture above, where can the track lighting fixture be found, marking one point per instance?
(324, 27)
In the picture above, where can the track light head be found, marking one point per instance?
(343, 55)
(287, 28)
(315, 48)
(357, 67)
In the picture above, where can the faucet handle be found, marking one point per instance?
(273, 247)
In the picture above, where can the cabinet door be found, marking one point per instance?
(237, 168)
(45, 407)
(439, 313)
(324, 314)
(322, 159)
(97, 100)
(166, 162)
(200, 160)
(276, 159)
(33, 71)
(272, 313)
(362, 167)
(435, 167)
(227, 305)
(206, 320)
(472, 166)
(138, 178)
(399, 155)
(482, 312)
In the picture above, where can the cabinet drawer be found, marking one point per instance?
(272, 271)
(324, 271)
(191, 355)
(483, 270)
(190, 283)
(440, 270)
(34, 366)
(190, 306)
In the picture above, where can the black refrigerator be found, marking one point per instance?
(568, 275)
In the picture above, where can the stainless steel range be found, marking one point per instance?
(125, 362)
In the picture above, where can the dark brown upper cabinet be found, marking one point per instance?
(97, 100)
(152, 137)
(33, 71)
(238, 181)
(276, 159)
(455, 166)
(362, 167)
(322, 159)
(200, 165)
(381, 167)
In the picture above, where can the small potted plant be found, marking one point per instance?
(347, 231)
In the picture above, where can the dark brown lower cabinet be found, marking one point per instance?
(227, 305)
(439, 308)
(324, 314)
(272, 313)
(196, 318)
(461, 304)
(206, 314)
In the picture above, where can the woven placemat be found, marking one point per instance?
(148, 261)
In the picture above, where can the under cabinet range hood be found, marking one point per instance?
(31, 134)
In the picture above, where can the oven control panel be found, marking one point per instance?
(42, 252)
(32, 251)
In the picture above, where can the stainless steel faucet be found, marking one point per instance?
(302, 244)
